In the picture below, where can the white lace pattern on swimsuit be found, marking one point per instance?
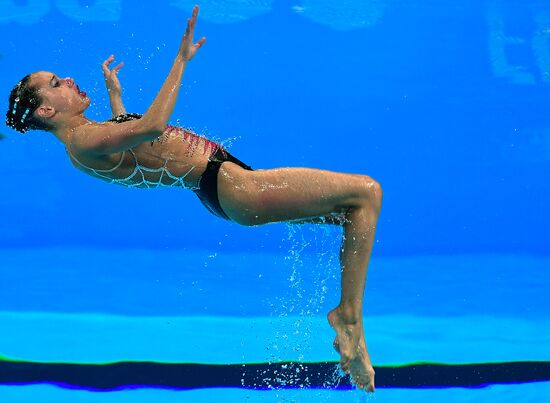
(138, 176)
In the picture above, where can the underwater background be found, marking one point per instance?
(110, 294)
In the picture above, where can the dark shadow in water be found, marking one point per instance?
(135, 375)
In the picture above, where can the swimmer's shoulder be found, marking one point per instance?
(80, 141)
(103, 138)
(82, 151)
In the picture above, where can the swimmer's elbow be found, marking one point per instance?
(149, 125)
(148, 134)
(139, 131)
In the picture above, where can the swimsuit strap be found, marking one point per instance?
(125, 117)
(96, 170)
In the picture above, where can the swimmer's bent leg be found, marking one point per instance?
(289, 194)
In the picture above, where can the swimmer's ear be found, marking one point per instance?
(2, 136)
(45, 111)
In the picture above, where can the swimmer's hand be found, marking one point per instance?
(187, 48)
(111, 77)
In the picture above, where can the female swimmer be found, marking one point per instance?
(143, 151)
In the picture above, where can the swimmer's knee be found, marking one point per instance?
(372, 192)
(377, 191)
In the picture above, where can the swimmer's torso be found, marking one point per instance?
(177, 158)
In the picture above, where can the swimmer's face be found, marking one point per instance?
(58, 94)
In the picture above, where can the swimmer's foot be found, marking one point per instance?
(350, 344)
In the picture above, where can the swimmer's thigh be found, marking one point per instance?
(289, 194)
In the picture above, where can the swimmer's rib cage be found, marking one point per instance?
(133, 375)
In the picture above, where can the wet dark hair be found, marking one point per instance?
(24, 100)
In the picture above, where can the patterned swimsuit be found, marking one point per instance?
(207, 189)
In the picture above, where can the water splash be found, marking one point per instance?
(313, 265)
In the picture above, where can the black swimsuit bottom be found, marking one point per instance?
(208, 182)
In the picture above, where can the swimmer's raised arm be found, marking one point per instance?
(113, 86)
(109, 139)
(161, 109)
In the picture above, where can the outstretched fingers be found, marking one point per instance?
(118, 67)
(107, 62)
(200, 42)
(191, 22)
(188, 48)
(189, 30)
(194, 15)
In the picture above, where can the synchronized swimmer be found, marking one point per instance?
(144, 151)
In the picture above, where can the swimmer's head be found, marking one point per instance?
(41, 100)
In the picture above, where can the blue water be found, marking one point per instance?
(445, 104)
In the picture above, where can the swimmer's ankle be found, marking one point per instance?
(348, 313)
